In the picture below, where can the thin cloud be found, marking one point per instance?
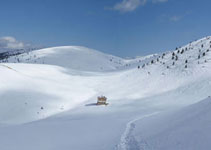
(10, 43)
(131, 5)
(128, 5)
(175, 18)
(159, 1)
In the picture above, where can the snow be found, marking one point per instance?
(184, 129)
(126, 138)
(74, 57)
(48, 95)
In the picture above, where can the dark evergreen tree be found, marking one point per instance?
(173, 54)
(176, 58)
(173, 63)
(172, 58)
(178, 51)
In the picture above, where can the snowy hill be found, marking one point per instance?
(73, 57)
(56, 88)
(85, 59)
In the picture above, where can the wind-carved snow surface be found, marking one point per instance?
(48, 96)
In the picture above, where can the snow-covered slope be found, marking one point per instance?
(60, 86)
(74, 57)
(185, 129)
(31, 92)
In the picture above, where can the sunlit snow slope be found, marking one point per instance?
(73, 57)
(63, 83)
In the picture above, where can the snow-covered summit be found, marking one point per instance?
(73, 57)
(86, 59)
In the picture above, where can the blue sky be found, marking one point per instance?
(119, 27)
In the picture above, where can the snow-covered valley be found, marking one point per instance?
(157, 102)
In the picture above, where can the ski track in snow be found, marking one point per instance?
(127, 140)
